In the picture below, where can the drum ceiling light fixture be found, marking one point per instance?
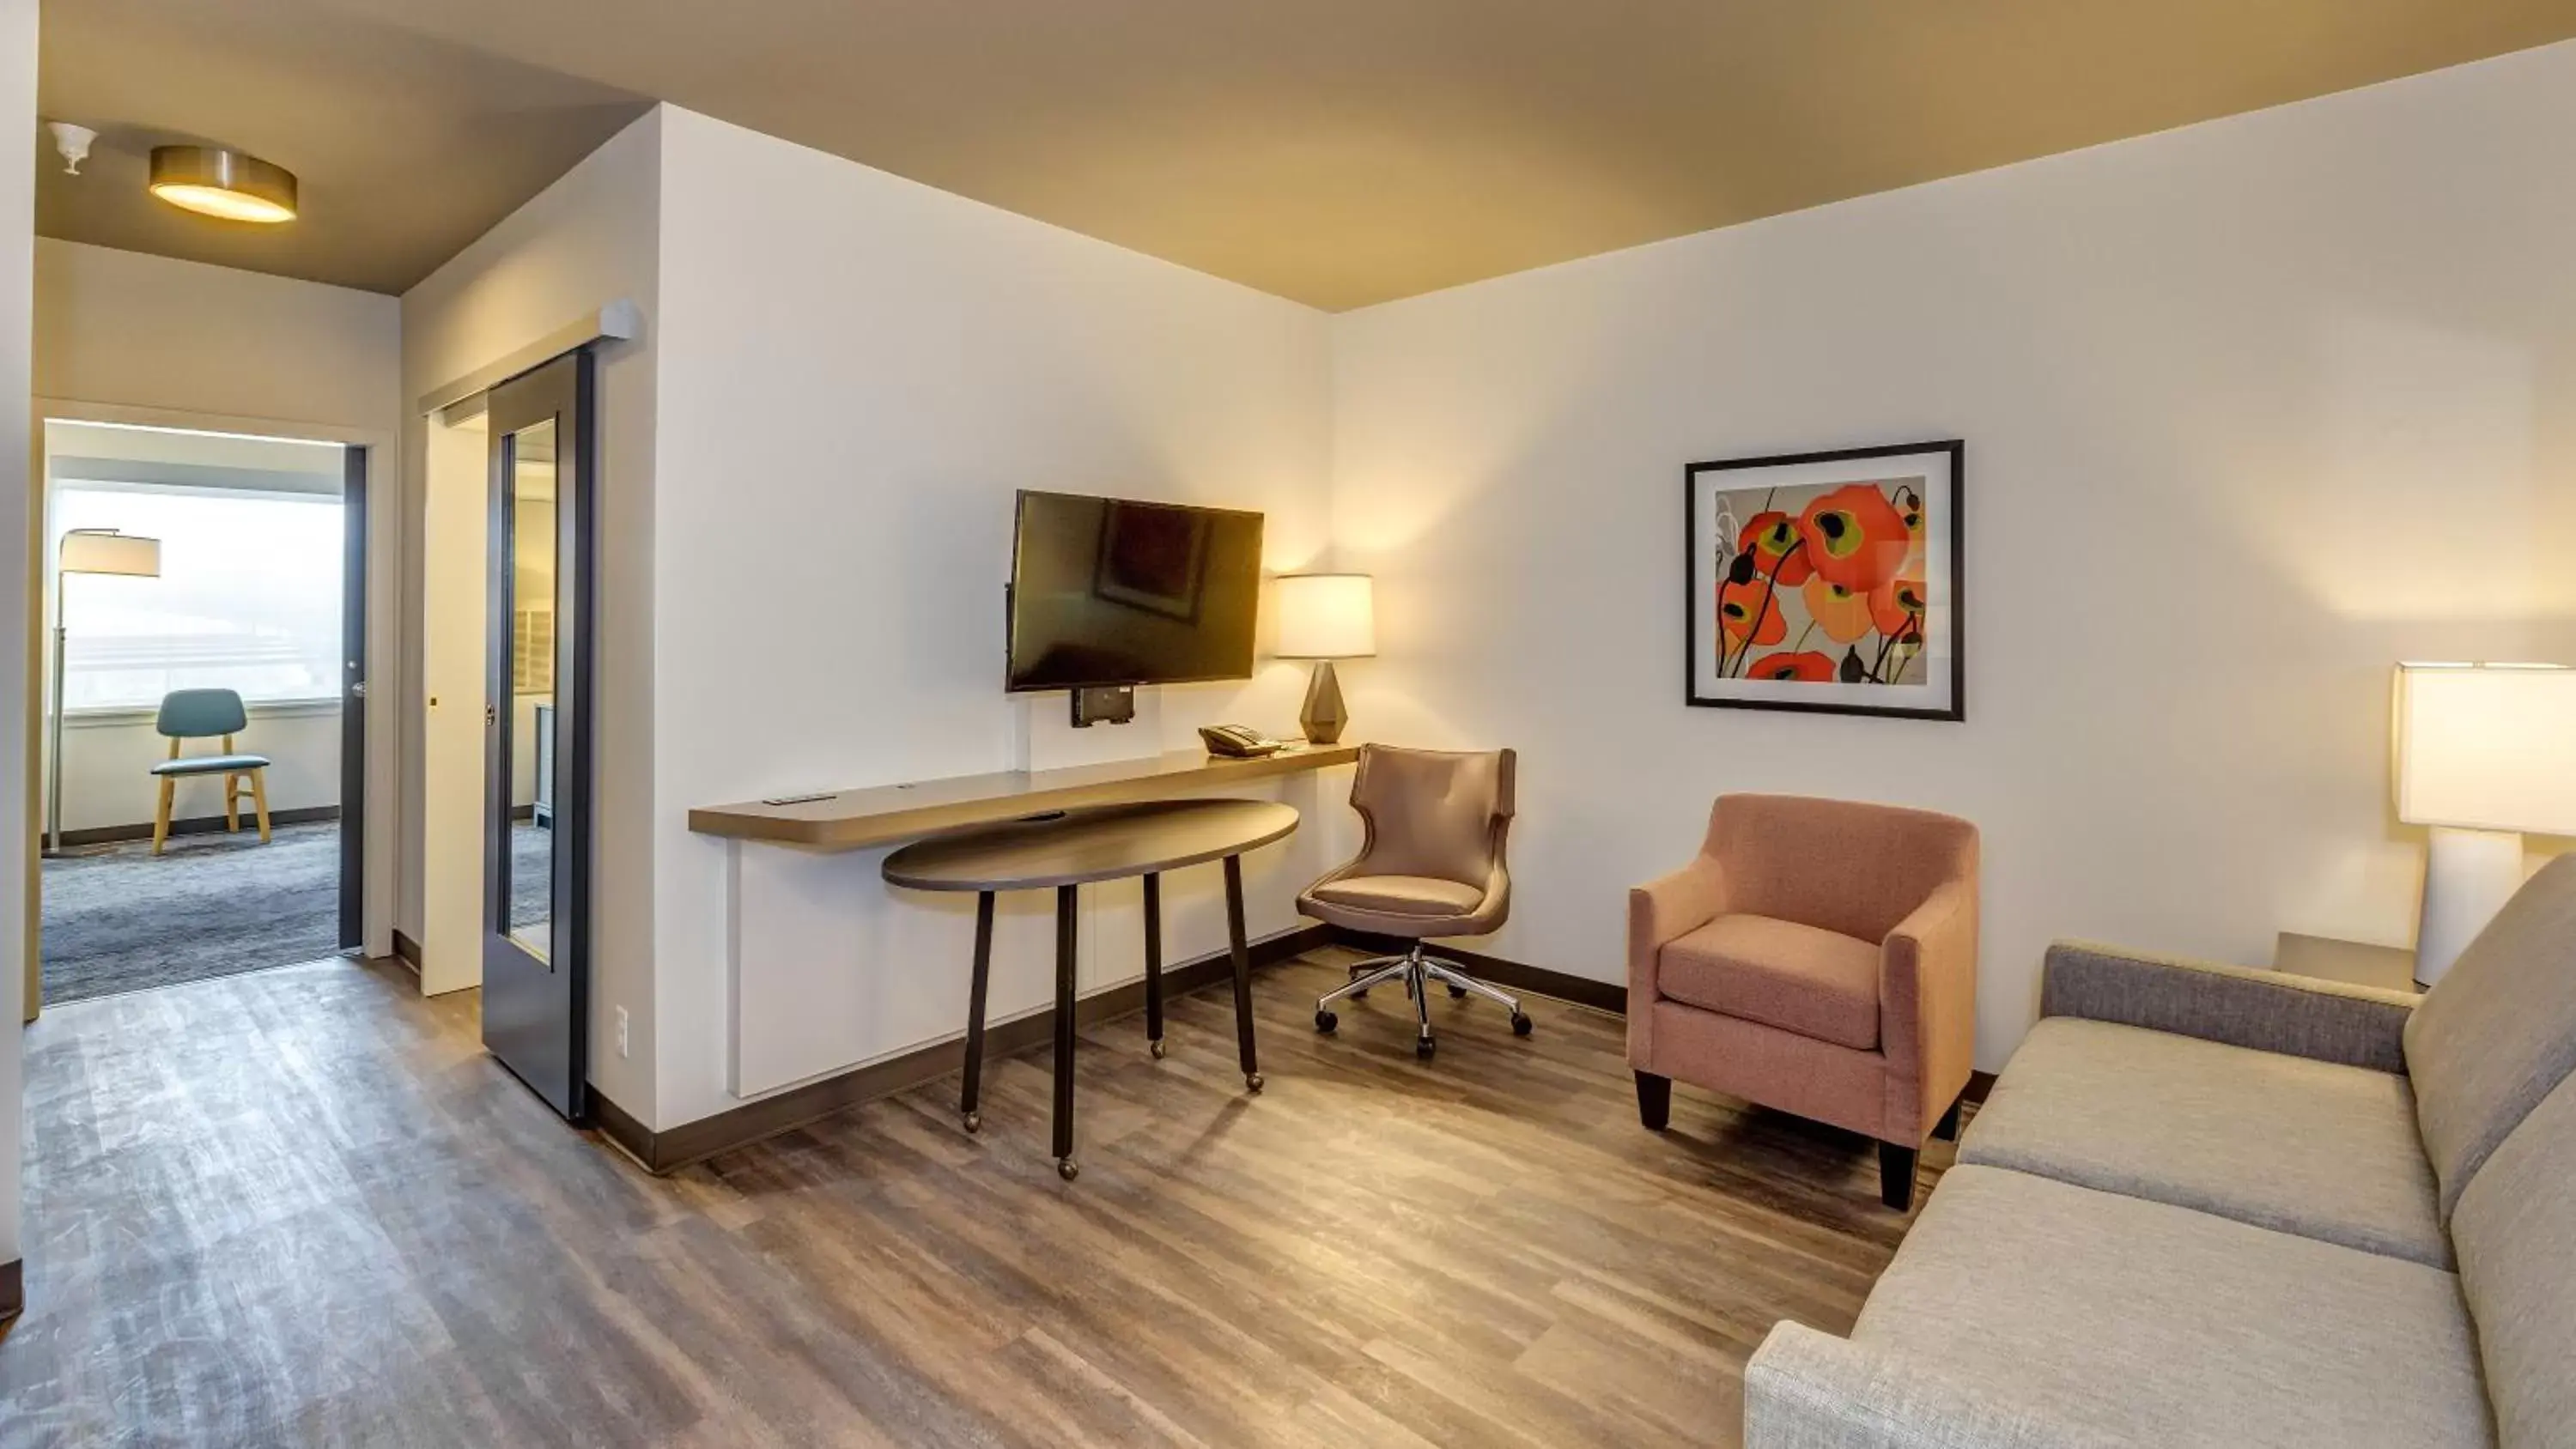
(215, 181)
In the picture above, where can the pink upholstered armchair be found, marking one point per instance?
(1819, 957)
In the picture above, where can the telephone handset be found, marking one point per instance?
(1237, 742)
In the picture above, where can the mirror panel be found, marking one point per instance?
(528, 864)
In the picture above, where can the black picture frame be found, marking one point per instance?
(1942, 617)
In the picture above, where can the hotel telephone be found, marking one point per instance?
(1238, 743)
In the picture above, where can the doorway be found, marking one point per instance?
(205, 755)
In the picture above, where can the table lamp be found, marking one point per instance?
(85, 551)
(2484, 753)
(1325, 617)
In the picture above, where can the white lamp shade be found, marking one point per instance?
(92, 552)
(1325, 616)
(2487, 746)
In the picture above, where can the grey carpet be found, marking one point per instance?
(117, 918)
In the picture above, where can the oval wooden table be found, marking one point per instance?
(1066, 852)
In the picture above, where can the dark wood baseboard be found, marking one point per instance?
(13, 1288)
(197, 825)
(677, 1147)
(407, 951)
(1510, 975)
(1979, 1083)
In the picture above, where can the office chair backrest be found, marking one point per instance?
(196, 714)
(1433, 812)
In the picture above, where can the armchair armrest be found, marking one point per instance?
(2359, 1026)
(1659, 912)
(1927, 1002)
(1810, 1390)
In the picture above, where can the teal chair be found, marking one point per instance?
(201, 714)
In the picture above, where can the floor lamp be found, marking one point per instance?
(2484, 753)
(85, 551)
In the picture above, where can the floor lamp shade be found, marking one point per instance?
(1325, 617)
(101, 551)
(84, 551)
(2484, 752)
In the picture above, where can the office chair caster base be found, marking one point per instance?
(1425, 1047)
(1252, 1081)
(1067, 1168)
(1457, 993)
(1326, 1021)
(1156, 1047)
(1520, 1024)
(973, 1121)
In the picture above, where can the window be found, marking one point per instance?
(248, 598)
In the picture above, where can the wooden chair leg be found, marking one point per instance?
(232, 804)
(1947, 1129)
(259, 800)
(161, 816)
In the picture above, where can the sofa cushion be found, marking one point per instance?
(2498, 1031)
(2155, 1324)
(2516, 1232)
(1816, 983)
(1401, 895)
(2314, 1148)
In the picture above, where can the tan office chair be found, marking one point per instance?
(1432, 866)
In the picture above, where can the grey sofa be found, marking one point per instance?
(2212, 1206)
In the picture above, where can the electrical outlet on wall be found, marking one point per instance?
(621, 1031)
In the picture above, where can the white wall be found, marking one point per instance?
(857, 373)
(2253, 410)
(589, 239)
(17, 327)
(108, 760)
(123, 327)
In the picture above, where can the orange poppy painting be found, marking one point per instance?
(1828, 582)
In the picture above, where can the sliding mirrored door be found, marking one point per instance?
(536, 968)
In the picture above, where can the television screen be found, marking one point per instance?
(1112, 591)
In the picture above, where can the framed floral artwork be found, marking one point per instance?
(1829, 582)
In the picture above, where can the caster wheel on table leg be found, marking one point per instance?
(1457, 993)
(974, 1121)
(1156, 1047)
(1425, 1047)
(1326, 1021)
(1252, 1081)
(1520, 1024)
(1067, 1168)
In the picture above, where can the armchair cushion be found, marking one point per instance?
(1401, 895)
(2314, 1148)
(1814, 982)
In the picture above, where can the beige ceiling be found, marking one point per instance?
(1340, 152)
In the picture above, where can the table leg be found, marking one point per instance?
(970, 1093)
(1067, 918)
(1242, 971)
(1154, 964)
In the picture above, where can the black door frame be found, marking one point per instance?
(536, 1013)
(353, 699)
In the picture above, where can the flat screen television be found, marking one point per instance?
(1112, 591)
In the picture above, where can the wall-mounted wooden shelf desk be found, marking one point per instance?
(888, 814)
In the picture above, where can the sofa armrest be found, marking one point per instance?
(1810, 1390)
(2359, 1026)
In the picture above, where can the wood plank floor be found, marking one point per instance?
(302, 1207)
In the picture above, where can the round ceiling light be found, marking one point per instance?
(233, 185)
